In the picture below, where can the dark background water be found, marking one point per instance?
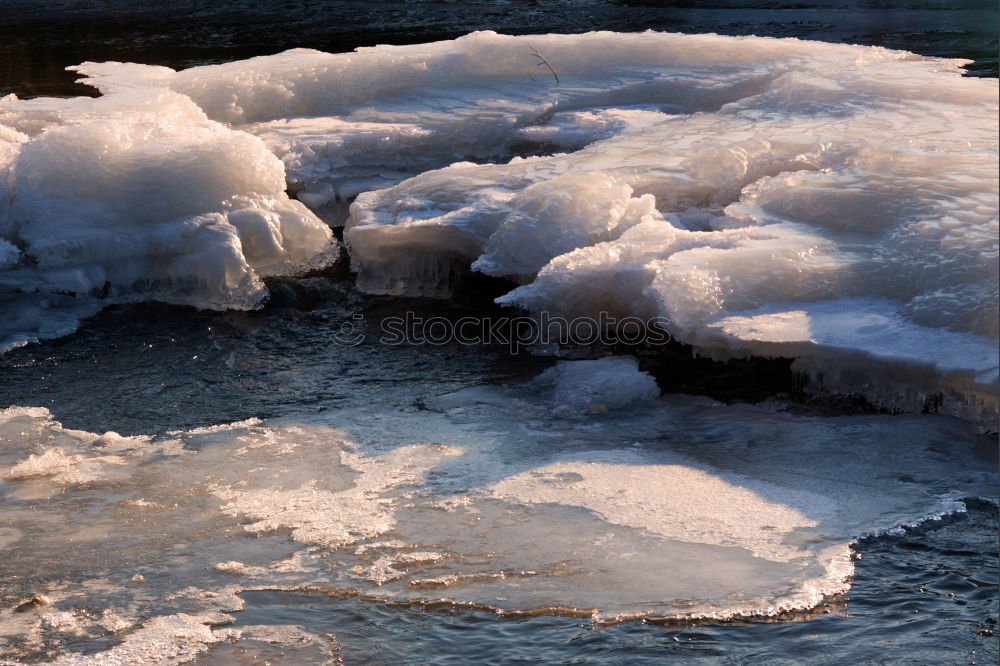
(39, 38)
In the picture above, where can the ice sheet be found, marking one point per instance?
(672, 508)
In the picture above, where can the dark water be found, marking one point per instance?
(229, 366)
(39, 39)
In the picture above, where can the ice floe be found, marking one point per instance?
(677, 507)
(749, 190)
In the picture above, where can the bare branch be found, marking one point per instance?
(543, 61)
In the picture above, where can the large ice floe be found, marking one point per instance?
(488, 497)
(832, 203)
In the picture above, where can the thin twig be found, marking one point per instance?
(543, 61)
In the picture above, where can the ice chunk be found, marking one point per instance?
(170, 640)
(336, 518)
(712, 177)
(140, 197)
(596, 386)
(9, 255)
(376, 116)
(865, 326)
(629, 494)
(556, 216)
(842, 178)
(866, 346)
(53, 462)
(32, 317)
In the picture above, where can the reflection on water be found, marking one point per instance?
(39, 39)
